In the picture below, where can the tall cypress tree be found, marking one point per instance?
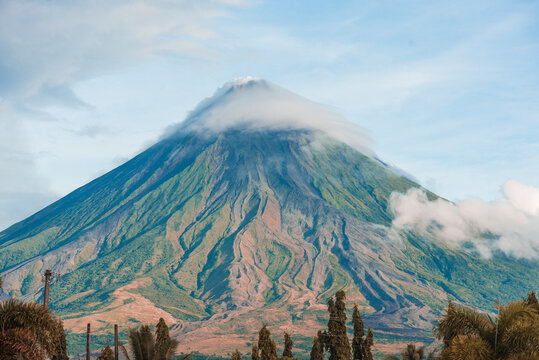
(336, 338)
(267, 347)
(106, 354)
(328, 335)
(164, 345)
(288, 344)
(254, 353)
(61, 352)
(317, 351)
(367, 345)
(359, 332)
(340, 335)
(236, 355)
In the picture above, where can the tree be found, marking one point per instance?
(236, 355)
(411, 352)
(106, 354)
(144, 347)
(336, 338)
(317, 351)
(164, 345)
(359, 333)
(254, 353)
(327, 336)
(29, 330)
(288, 344)
(19, 343)
(367, 345)
(467, 334)
(61, 354)
(142, 343)
(531, 300)
(268, 349)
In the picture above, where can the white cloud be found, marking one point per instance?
(510, 224)
(259, 104)
(48, 45)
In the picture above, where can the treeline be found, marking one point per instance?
(31, 331)
(334, 340)
(464, 334)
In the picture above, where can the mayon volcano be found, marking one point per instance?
(255, 209)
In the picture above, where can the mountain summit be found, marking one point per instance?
(256, 104)
(256, 209)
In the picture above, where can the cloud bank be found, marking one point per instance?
(257, 104)
(509, 224)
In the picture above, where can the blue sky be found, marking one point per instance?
(448, 90)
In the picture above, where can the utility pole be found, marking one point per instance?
(88, 342)
(48, 274)
(115, 341)
(497, 319)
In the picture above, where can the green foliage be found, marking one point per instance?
(142, 343)
(449, 270)
(468, 334)
(288, 344)
(164, 345)
(61, 354)
(531, 300)
(317, 351)
(145, 346)
(19, 343)
(236, 355)
(411, 352)
(336, 337)
(106, 354)
(359, 333)
(361, 189)
(268, 349)
(361, 344)
(255, 355)
(368, 344)
(29, 329)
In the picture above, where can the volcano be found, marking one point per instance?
(255, 209)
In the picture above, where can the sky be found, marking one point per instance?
(448, 90)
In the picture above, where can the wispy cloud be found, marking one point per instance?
(257, 104)
(45, 46)
(510, 224)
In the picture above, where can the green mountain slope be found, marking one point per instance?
(221, 232)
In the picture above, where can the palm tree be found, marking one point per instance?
(467, 334)
(31, 331)
(106, 354)
(412, 353)
(16, 343)
(143, 346)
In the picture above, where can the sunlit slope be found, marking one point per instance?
(222, 232)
